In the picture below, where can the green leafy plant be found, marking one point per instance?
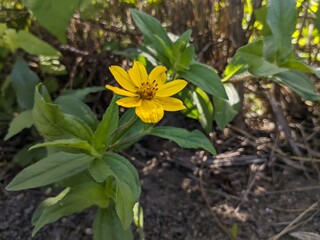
(178, 55)
(271, 57)
(83, 158)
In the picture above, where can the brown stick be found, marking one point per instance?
(283, 124)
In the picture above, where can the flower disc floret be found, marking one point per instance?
(150, 95)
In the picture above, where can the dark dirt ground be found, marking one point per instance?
(253, 184)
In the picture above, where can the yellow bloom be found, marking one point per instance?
(150, 95)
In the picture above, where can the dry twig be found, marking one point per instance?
(298, 221)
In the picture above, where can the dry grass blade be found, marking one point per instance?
(305, 235)
(296, 222)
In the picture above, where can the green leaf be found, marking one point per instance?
(183, 52)
(73, 145)
(68, 103)
(10, 39)
(261, 16)
(252, 54)
(205, 109)
(52, 123)
(191, 110)
(150, 27)
(33, 45)
(131, 129)
(205, 78)
(107, 226)
(226, 110)
(99, 170)
(297, 64)
(21, 121)
(127, 186)
(50, 169)
(71, 200)
(184, 138)
(109, 123)
(281, 19)
(54, 15)
(299, 83)
(25, 157)
(24, 81)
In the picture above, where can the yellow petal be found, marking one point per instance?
(138, 73)
(158, 74)
(171, 88)
(123, 78)
(149, 111)
(121, 91)
(170, 104)
(129, 102)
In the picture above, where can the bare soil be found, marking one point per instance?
(252, 186)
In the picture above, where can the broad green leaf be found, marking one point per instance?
(107, 226)
(186, 57)
(150, 27)
(296, 64)
(78, 108)
(226, 110)
(52, 123)
(33, 45)
(124, 203)
(252, 54)
(54, 15)
(26, 157)
(73, 145)
(124, 171)
(99, 170)
(109, 123)
(50, 169)
(24, 81)
(299, 83)
(21, 121)
(70, 201)
(204, 77)
(261, 16)
(205, 108)
(184, 138)
(127, 186)
(281, 19)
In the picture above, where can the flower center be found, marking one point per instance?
(148, 90)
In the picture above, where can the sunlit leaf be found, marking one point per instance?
(226, 110)
(205, 78)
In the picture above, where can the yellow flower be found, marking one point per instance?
(150, 95)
